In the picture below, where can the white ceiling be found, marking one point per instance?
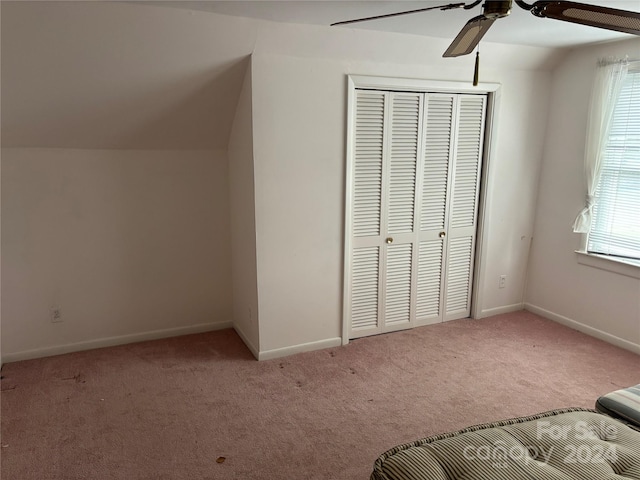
(520, 28)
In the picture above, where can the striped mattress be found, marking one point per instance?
(563, 444)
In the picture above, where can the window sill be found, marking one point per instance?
(628, 268)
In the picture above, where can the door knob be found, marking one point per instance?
(442, 234)
(389, 240)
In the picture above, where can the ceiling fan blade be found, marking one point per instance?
(449, 6)
(469, 36)
(592, 15)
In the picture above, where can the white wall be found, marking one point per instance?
(119, 75)
(299, 147)
(128, 244)
(596, 301)
(243, 222)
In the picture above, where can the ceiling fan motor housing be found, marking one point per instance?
(496, 8)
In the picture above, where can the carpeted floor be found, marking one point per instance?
(200, 406)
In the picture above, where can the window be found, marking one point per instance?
(615, 226)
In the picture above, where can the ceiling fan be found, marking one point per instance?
(473, 31)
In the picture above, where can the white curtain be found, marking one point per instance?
(606, 89)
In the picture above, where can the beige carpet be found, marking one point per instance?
(200, 406)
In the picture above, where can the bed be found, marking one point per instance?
(562, 444)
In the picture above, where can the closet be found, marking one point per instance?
(412, 207)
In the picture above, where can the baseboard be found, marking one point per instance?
(247, 342)
(304, 347)
(113, 341)
(581, 327)
(489, 312)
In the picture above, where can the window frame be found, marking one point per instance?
(617, 264)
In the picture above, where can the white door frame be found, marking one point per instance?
(492, 90)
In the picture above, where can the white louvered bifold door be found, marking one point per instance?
(462, 218)
(439, 126)
(381, 280)
(366, 214)
(413, 185)
(405, 115)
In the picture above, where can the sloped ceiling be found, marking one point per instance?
(94, 75)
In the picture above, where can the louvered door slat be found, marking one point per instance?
(438, 121)
(429, 275)
(398, 284)
(364, 287)
(458, 282)
(405, 119)
(467, 165)
(369, 146)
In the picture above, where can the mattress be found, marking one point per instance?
(558, 445)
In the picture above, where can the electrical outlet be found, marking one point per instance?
(55, 314)
(502, 282)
